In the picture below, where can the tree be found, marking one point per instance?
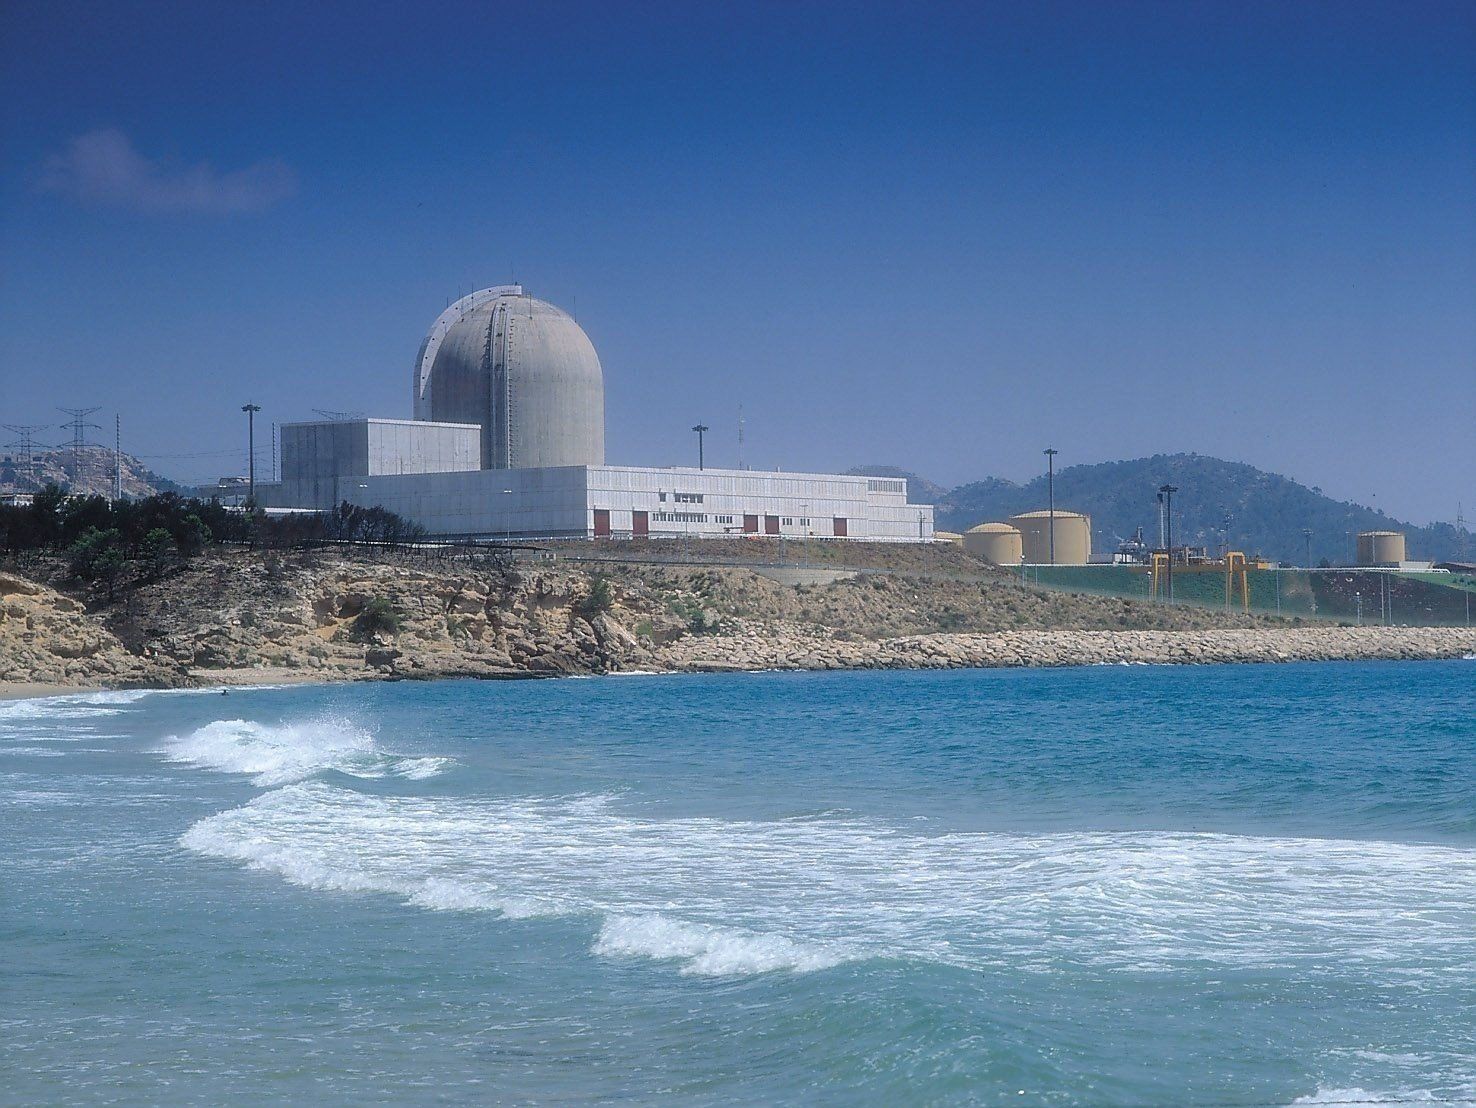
(96, 554)
(158, 550)
(191, 535)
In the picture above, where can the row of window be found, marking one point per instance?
(683, 517)
(681, 497)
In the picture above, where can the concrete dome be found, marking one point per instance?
(521, 368)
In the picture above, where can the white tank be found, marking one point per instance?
(523, 370)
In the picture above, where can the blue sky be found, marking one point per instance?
(935, 236)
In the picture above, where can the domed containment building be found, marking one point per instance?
(995, 542)
(1073, 537)
(508, 442)
(524, 371)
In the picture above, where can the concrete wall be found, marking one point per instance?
(805, 504)
(532, 503)
(331, 450)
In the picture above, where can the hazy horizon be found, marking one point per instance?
(940, 242)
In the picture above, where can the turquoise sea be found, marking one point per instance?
(1235, 885)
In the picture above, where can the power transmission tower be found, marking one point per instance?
(78, 426)
(26, 448)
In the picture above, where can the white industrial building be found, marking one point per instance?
(508, 442)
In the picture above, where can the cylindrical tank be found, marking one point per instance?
(994, 542)
(947, 536)
(1073, 537)
(523, 370)
(1381, 548)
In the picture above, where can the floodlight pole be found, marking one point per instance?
(1168, 511)
(251, 410)
(701, 430)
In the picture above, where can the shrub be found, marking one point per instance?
(598, 600)
(192, 535)
(377, 617)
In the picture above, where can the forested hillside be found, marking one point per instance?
(1217, 501)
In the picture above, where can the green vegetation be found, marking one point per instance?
(55, 521)
(1337, 595)
(599, 599)
(377, 617)
(97, 556)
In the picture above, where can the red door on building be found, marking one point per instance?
(840, 527)
(771, 525)
(750, 525)
(602, 522)
(640, 524)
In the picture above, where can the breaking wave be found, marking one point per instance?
(278, 754)
(732, 897)
(71, 705)
(706, 949)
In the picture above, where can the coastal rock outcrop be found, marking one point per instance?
(248, 616)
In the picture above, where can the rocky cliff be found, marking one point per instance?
(250, 616)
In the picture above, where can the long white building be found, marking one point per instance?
(508, 442)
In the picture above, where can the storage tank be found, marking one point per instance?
(947, 536)
(1073, 537)
(523, 370)
(1381, 548)
(994, 542)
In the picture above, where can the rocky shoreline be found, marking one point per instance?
(250, 619)
(1048, 648)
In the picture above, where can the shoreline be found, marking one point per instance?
(757, 653)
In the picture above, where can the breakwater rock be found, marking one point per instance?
(807, 648)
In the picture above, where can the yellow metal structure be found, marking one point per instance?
(1159, 571)
(1235, 567)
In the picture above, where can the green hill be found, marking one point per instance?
(1255, 511)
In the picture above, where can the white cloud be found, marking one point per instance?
(103, 167)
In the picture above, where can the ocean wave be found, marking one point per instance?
(1329, 1096)
(276, 754)
(70, 705)
(725, 896)
(706, 949)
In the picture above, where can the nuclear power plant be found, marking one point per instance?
(507, 441)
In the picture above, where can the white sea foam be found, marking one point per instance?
(1403, 1096)
(71, 705)
(725, 896)
(275, 754)
(705, 949)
